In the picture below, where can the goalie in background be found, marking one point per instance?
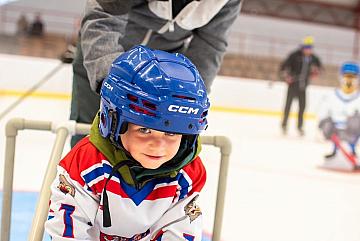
(340, 119)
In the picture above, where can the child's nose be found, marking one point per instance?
(158, 141)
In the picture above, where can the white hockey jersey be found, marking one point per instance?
(339, 106)
(163, 208)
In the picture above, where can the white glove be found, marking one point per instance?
(328, 127)
(352, 130)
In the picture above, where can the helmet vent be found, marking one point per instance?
(141, 110)
(192, 99)
(149, 105)
(204, 114)
(202, 121)
(132, 98)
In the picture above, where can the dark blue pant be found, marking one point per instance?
(295, 92)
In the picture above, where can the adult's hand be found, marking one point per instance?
(289, 79)
(314, 72)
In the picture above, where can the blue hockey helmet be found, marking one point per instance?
(350, 68)
(349, 79)
(154, 89)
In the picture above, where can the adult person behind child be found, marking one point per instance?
(197, 29)
(297, 69)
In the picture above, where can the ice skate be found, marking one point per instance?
(284, 130)
(301, 132)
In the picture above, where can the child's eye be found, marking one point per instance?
(170, 134)
(145, 130)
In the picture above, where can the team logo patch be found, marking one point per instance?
(192, 210)
(65, 187)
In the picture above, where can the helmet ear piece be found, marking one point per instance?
(105, 122)
(108, 125)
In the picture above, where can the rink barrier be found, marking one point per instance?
(62, 131)
(33, 88)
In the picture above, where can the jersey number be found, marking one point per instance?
(68, 220)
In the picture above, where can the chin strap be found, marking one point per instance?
(106, 210)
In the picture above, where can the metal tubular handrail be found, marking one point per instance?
(62, 131)
(37, 227)
(11, 130)
(225, 146)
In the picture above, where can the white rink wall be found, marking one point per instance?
(21, 73)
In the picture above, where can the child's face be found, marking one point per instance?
(150, 147)
(349, 83)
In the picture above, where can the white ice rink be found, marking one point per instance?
(276, 190)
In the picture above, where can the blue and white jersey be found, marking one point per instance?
(339, 106)
(162, 209)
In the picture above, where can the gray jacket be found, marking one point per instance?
(199, 30)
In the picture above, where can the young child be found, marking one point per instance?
(340, 116)
(138, 174)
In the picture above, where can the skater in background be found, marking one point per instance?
(197, 29)
(340, 113)
(299, 67)
(138, 175)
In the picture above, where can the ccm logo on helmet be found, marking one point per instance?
(108, 86)
(183, 109)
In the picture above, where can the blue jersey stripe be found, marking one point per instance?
(136, 195)
(184, 184)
